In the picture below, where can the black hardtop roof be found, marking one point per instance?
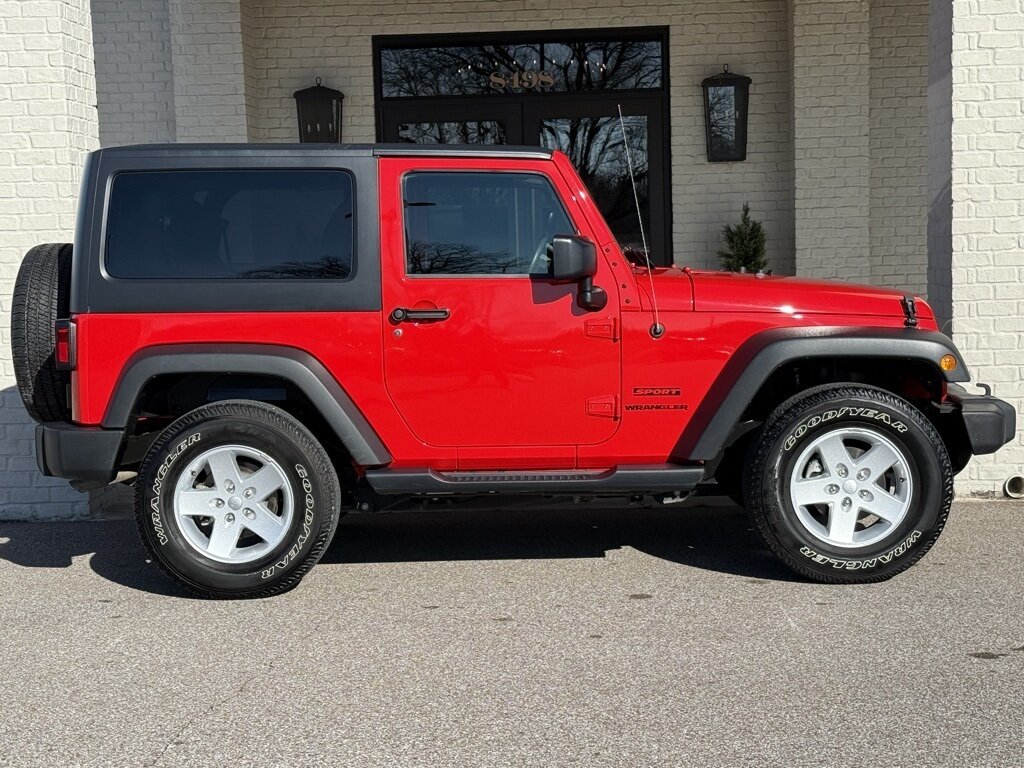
(321, 150)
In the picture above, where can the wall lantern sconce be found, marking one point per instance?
(319, 109)
(726, 96)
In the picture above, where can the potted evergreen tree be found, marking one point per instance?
(744, 245)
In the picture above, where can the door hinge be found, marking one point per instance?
(603, 407)
(602, 328)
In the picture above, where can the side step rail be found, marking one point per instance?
(625, 480)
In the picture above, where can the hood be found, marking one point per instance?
(731, 292)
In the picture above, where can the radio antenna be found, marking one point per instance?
(657, 330)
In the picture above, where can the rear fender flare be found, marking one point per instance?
(293, 365)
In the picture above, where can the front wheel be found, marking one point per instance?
(236, 499)
(849, 484)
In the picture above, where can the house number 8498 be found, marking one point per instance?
(528, 79)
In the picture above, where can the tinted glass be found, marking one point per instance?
(595, 146)
(724, 106)
(460, 132)
(558, 67)
(480, 223)
(230, 224)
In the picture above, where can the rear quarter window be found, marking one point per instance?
(230, 224)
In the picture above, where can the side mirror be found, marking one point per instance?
(574, 259)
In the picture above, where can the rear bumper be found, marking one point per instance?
(80, 454)
(990, 422)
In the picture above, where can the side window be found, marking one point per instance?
(230, 224)
(466, 223)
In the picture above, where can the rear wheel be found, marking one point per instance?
(237, 499)
(41, 297)
(849, 484)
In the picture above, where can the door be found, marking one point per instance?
(489, 352)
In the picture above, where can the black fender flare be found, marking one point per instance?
(294, 365)
(707, 433)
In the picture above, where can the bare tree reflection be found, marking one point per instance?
(457, 259)
(722, 119)
(466, 70)
(464, 132)
(597, 150)
(327, 268)
(604, 66)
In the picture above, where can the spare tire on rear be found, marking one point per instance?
(41, 297)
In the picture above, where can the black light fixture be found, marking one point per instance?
(319, 109)
(726, 96)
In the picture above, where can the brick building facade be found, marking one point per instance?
(882, 137)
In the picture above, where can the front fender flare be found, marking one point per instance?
(760, 356)
(295, 366)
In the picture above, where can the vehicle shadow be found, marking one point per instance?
(112, 546)
(716, 538)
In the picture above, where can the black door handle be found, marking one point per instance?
(402, 315)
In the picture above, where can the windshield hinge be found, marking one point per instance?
(909, 311)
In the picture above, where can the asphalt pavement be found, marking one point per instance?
(665, 637)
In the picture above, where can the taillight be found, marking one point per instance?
(64, 352)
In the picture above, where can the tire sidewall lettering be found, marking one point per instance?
(307, 526)
(871, 415)
(913, 436)
(309, 474)
(866, 563)
(875, 416)
(156, 514)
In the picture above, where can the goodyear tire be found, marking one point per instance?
(849, 484)
(41, 297)
(236, 499)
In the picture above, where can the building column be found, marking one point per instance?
(940, 159)
(831, 112)
(47, 124)
(988, 212)
(208, 61)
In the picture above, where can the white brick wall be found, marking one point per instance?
(47, 123)
(860, 84)
(898, 144)
(134, 74)
(831, 109)
(299, 40)
(209, 70)
(988, 210)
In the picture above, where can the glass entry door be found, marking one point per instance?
(560, 90)
(596, 141)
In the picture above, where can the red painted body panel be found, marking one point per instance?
(732, 292)
(348, 345)
(518, 376)
(689, 357)
(513, 364)
(722, 292)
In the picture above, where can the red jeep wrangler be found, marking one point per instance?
(262, 337)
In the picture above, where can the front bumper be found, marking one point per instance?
(990, 422)
(80, 454)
